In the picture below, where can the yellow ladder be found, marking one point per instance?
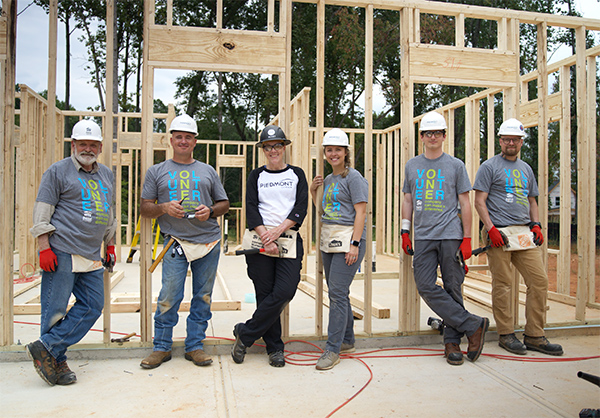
(136, 238)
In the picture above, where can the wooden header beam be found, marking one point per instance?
(216, 49)
(472, 12)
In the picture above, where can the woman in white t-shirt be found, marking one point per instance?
(343, 238)
(276, 204)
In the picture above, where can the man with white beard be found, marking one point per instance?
(73, 215)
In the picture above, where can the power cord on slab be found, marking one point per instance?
(310, 357)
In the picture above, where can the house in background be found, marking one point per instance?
(554, 202)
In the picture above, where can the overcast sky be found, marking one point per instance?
(32, 59)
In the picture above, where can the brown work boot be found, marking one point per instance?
(477, 339)
(66, 376)
(542, 345)
(43, 362)
(453, 354)
(155, 359)
(198, 357)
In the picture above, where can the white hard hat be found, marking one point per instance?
(432, 121)
(86, 129)
(336, 137)
(184, 123)
(511, 127)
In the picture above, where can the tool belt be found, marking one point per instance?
(286, 242)
(195, 251)
(80, 264)
(336, 238)
(519, 237)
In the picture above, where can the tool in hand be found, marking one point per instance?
(122, 339)
(251, 251)
(161, 255)
(109, 262)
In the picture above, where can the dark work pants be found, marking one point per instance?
(275, 282)
(447, 302)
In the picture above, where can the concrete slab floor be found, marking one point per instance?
(408, 386)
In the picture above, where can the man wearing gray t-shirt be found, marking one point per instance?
(186, 196)
(505, 192)
(434, 184)
(73, 216)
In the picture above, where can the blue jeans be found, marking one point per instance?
(60, 329)
(447, 302)
(339, 277)
(174, 271)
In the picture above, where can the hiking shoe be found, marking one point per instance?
(347, 348)
(327, 360)
(198, 357)
(155, 359)
(477, 340)
(238, 351)
(65, 376)
(511, 343)
(542, 345)
(453, 354)
(277, 359)
(43, 362)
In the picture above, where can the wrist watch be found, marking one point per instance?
(355, 243)
(212, 211)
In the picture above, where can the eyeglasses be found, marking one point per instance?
(437, 134)
(509, 140)
(277, 147)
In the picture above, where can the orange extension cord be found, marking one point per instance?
(310, 357)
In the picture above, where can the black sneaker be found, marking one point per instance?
(238, 351)
(43, 362)
(277, 359)
(66, 376)
(542, 345)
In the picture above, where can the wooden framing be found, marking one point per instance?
(220, 49)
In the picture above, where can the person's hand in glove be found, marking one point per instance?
(465, 248)
(536, 228)
(496, 237)
(406, 243)
(111, 257)
(48, 260)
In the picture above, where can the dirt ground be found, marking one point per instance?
(552, 260)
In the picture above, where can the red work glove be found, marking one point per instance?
(111, 257)
(466, 269)
(48, 260)
(536, 228)
(465, 248)
(496, 238)
(406, 243)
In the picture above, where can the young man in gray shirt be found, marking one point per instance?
(505, 192)
(435, 183)
(186, 196)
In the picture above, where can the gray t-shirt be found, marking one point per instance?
(508, 185)
(199, 184)
(435, 186)
(340, 194)
(82, 204)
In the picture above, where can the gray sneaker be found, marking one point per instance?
(328, 360)
(347, 348)
(511, 343)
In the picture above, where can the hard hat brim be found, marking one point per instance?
(285, 141)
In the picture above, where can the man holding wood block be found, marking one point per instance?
(505, 192)
(186, 196)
